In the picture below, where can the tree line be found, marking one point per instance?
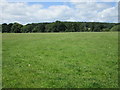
(59, 26)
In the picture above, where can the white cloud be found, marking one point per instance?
(25, 13)
(97, 12)
(109, 14)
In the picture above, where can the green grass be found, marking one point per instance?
(60, 60)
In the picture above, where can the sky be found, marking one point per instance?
(36, 12)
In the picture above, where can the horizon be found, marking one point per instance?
(63, 22)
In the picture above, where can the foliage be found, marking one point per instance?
(0, 28)
(27, 28)
(58, 26)
(39, 28)
(9, 27)
(115, 28)
(4, 27)
(16, 28)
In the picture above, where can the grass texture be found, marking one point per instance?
(60, 60)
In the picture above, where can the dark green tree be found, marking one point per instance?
(59, 26)
(16, 28)
(56, 27)
(4, 27)
(0, 28)
(115, 28)
(39, 28)
(9, 27)
(27, 28)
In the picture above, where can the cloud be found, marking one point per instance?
(24, 13)
(80, 11)
(96, 12)
(19, 12)
(109, 14)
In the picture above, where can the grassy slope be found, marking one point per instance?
(58, 60)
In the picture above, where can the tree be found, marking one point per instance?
(56, 27)
(16, 28)
(97, 28)
(9, 27)
(48, 27)
(91, 27)
(85, 27)
(39, 28)
(72, 29)
(27, 28)
(4, 27)
(68, 26)
(81, 27)
(60, 26)
(0, 28)
(115, 28)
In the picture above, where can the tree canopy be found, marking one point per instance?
(59, 26)
(16, 28)
(115, 28)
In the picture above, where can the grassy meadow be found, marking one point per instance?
(60, 60)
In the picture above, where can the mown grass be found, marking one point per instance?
(60, 60)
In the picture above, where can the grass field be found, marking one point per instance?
(60, 60)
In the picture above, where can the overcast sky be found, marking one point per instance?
(35, 12)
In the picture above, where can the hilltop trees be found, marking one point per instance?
(16, 28)
(115, 28)
(26, 28)
(39, 28)
(4, 27)
(56, 27)
(0, 28)
(9, 27)
(59, 26)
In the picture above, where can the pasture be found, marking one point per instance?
(60, 60)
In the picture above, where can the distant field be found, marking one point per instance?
(60, 60)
